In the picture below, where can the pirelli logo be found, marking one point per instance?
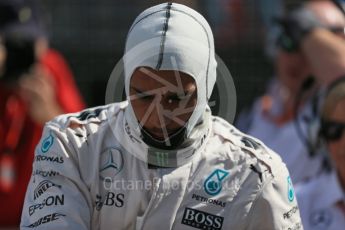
(202, 220)
(43, 187)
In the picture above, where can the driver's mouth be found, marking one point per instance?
(159, 134)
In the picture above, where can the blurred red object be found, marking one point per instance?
(19, 135)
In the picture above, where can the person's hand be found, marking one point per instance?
(38, 89)
(296, 25)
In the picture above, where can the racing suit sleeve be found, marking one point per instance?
(276, 206)
(56, 197)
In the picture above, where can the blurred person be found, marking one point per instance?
(311, 54)
(158, 160)
(35, 85)
(322, 200)
(269, 10)
(317, 30)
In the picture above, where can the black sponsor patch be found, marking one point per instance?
(202, 220)
(46, 219)
(250, 143)
(254, 169)
(85, 115)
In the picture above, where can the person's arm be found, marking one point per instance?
(39, 91)
(324, 50)
(56, 197)
(325, 53)
(276, 206)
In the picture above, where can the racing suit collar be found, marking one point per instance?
(173, 141)
(133, 143)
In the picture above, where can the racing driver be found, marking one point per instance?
(158, 160)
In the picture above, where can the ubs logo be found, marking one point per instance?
(111, 199)
(111, 163)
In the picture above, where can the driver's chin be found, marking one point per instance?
(160, 134)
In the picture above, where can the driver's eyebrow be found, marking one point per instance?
(151, 92)
(140, 92)
(136, 89)
(145, 93)
(186, 92)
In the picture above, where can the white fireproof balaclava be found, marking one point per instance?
(172, 36)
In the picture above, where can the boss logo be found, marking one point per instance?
(202, 220)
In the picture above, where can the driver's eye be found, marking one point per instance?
(138, 95)
(174, 98)
(146, 97)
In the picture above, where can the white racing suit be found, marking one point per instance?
(84, 177)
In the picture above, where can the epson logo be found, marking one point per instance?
(49, 158)
(202, 220)
(49, 201)
(42, 187)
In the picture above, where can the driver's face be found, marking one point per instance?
(162, 101)
(292, 70)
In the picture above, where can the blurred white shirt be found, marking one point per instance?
(282, 138)
(319, 200)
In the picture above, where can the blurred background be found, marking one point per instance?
(91, 35)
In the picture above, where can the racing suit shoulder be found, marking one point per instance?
(274, 205)
(90, 115)
(59, 194)
(79, 126)
(250, 146)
